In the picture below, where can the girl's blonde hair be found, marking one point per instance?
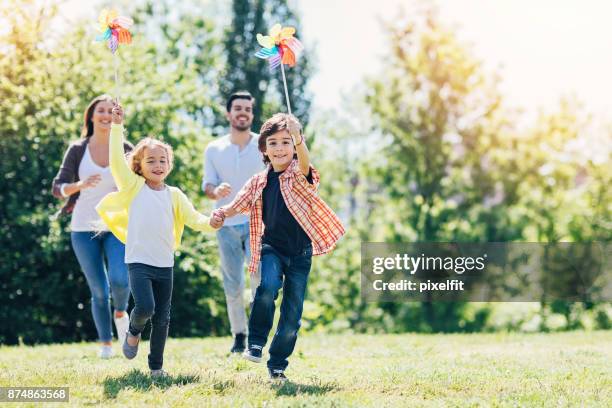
(137, 154)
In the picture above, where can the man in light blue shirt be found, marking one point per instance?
(228, 163)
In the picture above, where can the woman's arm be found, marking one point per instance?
(64, 184)
(68, 189)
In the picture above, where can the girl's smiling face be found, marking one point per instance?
(155, 165)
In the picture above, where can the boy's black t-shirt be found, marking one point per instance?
(281, 230)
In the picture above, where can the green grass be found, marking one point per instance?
(562, 369)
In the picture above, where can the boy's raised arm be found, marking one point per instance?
(300, 147)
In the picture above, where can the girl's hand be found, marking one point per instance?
(216, 221)
(217, 218)
(91, 181)
(117, 114)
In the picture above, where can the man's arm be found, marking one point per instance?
(217, 192)
(209, 190)
(212, 185)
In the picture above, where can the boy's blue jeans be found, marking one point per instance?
(290, 273)
(91, 249)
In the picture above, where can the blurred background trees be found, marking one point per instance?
(428, 151)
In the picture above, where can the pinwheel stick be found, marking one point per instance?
(286, 91)
(116, 61)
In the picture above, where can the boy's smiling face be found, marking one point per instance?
(279, 149)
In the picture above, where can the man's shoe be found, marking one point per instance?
(239, 343)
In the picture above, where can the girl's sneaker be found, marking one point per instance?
(253, 353)
(106, 351)
(277, 375)
(130, 351)
(122, 324)
(159, 373)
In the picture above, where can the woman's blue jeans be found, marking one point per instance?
(105, 279)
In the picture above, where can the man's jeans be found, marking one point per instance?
(234, 251)
(290, 273)
(90, 249)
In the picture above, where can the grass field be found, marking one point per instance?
(561, 369)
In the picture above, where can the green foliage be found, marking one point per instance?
(245, 72)
(47, 298)
(444, 161)
(433, 154)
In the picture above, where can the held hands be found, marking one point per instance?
(217, 218)
(117, 113)
(222, 190)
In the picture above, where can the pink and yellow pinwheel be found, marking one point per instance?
(279, 46)
(115, 29)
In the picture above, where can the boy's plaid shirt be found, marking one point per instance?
(322, 226)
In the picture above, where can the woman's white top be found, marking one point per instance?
(150, 234)
(84, 216)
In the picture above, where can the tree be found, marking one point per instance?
(243, 71)
(44, 88)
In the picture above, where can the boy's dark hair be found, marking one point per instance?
(239, 95)
(275, 124)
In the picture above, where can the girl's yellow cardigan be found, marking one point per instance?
(114, 207)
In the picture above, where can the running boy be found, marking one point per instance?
(289, 224)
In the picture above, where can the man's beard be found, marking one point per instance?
(240, 127)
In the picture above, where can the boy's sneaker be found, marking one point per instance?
(159, 373)
(253, 353)
(277, 375)
(239, 343)
(130, 351)
(106, 351)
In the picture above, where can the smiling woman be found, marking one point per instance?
(84, 179)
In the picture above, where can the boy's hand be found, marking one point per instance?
(117, 114)
(294, 128)
(216, 222)
(216, 219)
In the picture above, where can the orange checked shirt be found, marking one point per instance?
(322, 226)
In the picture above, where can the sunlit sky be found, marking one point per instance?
(544, 49)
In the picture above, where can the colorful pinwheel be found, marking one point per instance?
(280, 47)
(115, 29)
